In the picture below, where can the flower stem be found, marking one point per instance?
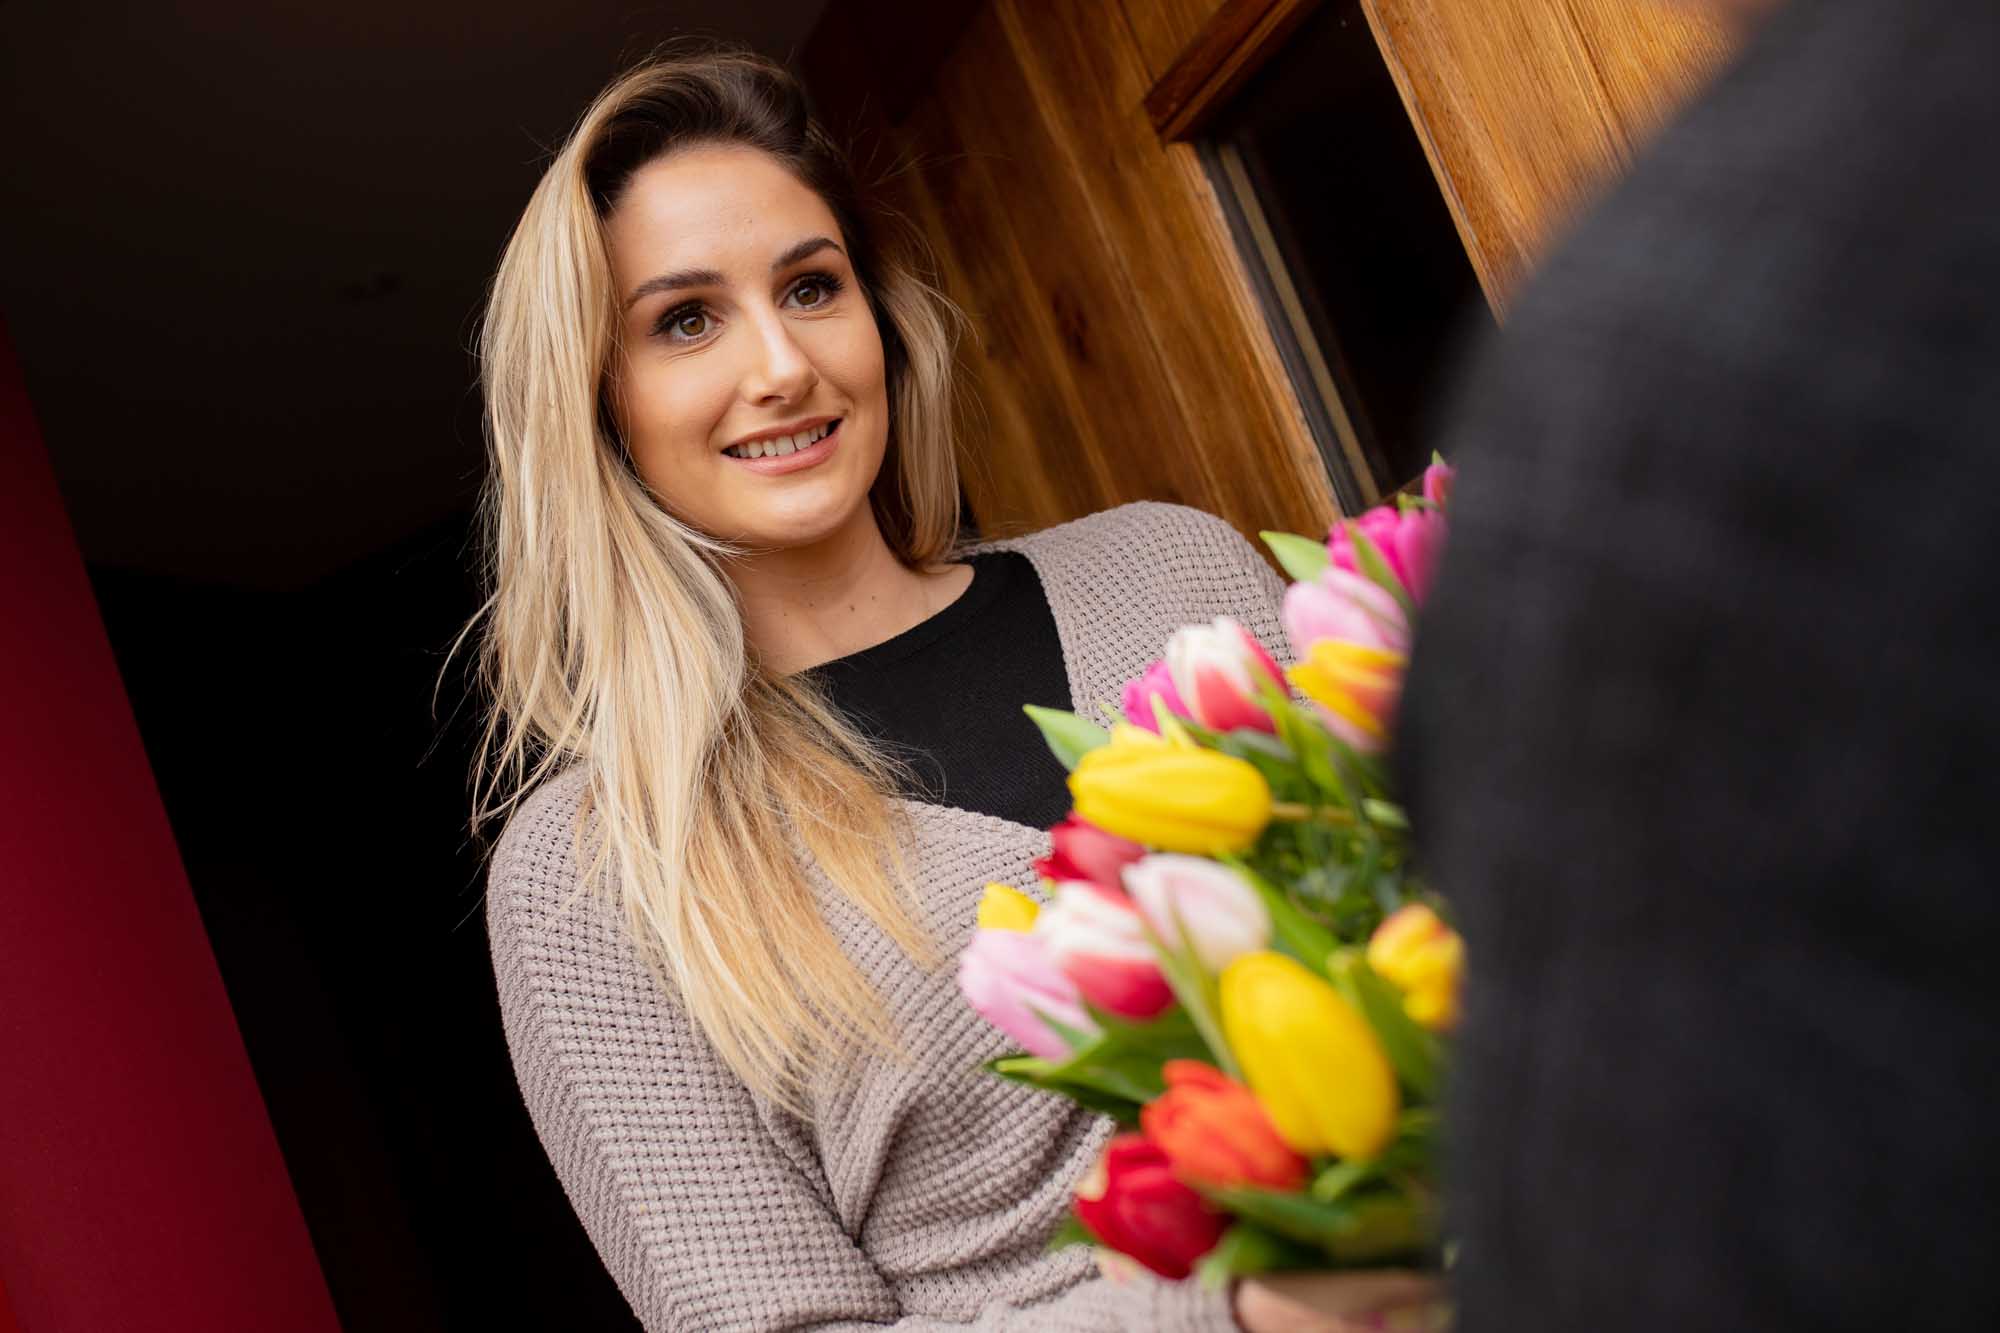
(1294, 812)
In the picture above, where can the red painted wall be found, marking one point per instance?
(140, 1185)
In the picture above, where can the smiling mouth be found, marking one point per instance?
(783, 444)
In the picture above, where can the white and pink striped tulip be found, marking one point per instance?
(1099, 942)
(1009, 978)
(1218, 671)
(1195, 903)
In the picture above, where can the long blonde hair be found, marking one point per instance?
(612, 635)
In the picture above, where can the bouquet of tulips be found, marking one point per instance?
(1230, 952)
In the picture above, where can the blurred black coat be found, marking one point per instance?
(1703, 721)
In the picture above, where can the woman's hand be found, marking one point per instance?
(1359, 1302)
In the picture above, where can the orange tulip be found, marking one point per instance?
(1214, 1132)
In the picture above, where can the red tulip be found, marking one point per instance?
(1214, 1131)
(1131, 1202)
(1081, 851)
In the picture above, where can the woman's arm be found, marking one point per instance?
(704, 1220)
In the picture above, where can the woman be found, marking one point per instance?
(727, 594)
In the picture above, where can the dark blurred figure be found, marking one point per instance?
(1703, 723)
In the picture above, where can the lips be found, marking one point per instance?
(813, 454)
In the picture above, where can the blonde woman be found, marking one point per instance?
(757, 737)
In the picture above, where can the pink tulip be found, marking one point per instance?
(1014, 984)
(1411, 543)
(1192, 902)
(1139, 694)
(1082, 851)
(1099, 943)
(1217, 671)
(1438, 479)
(1341, 604)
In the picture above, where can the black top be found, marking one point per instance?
(1702, 722)
(945, 696)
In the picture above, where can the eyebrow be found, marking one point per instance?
(681, 279)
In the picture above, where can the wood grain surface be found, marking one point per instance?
(1116, 352)
(1527, 108)
(1217, 60)
(1163, 29)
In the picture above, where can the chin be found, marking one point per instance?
(806, 521)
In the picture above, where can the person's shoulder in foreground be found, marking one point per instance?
(1700, 719)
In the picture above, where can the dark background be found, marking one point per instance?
(242, 253)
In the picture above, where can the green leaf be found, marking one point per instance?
(1356, 1229)
(1247, 1249)
(1308, 742)
(1291, 929)
(1302, 557)
(1118, 1070)
(1342, 1178)
(1386, 813)
(1413, 1153)
(1414, 1052)
(1200, 1002)
(1263, 752)
(1368, 556)
(1071, 1231)
(1032, 1071)
(1069, 737)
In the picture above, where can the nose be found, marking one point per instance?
(780, 372)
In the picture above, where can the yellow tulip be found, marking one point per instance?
(1312, 1060)
(1004, 907)
(1356, 684)
(1170, 797)
(1425, 959)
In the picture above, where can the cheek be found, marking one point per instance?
(670, 409)
(851, 356)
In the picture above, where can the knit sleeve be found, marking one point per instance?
(703, 1218)
(1243, 583)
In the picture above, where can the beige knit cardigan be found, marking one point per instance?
(917, 1195)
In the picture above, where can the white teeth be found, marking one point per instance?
(784, 444)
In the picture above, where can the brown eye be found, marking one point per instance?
(692, 324)
(810, 294)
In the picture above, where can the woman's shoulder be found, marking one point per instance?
(536, 898)
(1185, 560)
(1122, 580)
(533, 854)
(1141, 532)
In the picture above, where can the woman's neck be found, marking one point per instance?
(811, 604)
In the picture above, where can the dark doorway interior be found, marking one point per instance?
(320, 809)
(243, 249)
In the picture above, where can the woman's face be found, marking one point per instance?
(746, 333)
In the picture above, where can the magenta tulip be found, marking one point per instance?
(1083, 851)
(1346, 606)
(1099, 943)
(1218, 671)
(1411, 542)
(1194, 903)
(1140, 693)
(1010, 979)
(1438, 479)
